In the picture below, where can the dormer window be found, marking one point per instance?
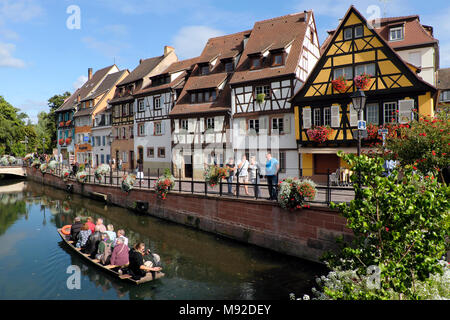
(353, 32)
(229, 66)
(255, 63)
(204, 70)
(277, 59)
(203, 96)
(396, 34)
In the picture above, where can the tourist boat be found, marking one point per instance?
(111, 268)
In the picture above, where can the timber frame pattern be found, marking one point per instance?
(393, 79)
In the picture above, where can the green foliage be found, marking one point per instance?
(399, 224)
(260, 97)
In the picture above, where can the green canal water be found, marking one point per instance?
(34, 261)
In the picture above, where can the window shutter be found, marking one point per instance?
(202, 124)
(217, 126)
(335, 117)
(306, 118)
(287, 123)
(163, 127)
(177, 125)
(263, 124)
(191, 125)
(242, 126)
(404, 110)
(151, 129)
(353, 116)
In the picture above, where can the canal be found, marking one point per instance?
(198, 265)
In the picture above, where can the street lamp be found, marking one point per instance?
(359, 102)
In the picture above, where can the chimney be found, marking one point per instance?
(168, 49)
(89, 73)
(306, 15)
(78, 98)
(140, 61)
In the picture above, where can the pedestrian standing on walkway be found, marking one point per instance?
(254, 171)
(243, 172)
(272, 168)
(231, 166)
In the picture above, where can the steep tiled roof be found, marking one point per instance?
(225, 46)
(273, 34)
(443, 76)
(88, 87)
(144, 68)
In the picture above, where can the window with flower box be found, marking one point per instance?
(390, 112)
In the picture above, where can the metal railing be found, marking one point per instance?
(240, 189)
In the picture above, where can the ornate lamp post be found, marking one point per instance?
(359, 102)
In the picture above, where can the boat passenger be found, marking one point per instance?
(91, 246)
(101, 225)
(83, 236)
(75, 228)
(121, 234)
(104, 249)
(119, 255)
(137, 268)
(91, 224)
(111, 233)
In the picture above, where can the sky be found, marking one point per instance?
(47, 46)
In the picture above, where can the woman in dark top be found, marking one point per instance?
(137, 267)
(231, 166)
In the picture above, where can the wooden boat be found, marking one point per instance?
(111, 268)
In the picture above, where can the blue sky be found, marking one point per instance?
(40, 56)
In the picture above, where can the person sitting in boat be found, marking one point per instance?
(111, 233)
(91, 224)
(91, 246)
(119, 256)
(104, 249)
(101, 225)
(83, 236)
(137, 267)
(121, 234)
(75, 228)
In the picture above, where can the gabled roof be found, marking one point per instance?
(108, 84)
(352, 12)
(225, 46)
(443, 82)
(270, 35)
(88, 87)
(142, 70)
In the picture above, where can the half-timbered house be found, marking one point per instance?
(123, 106)
(393, 91)
(278, 56)
(201, 115)
(152, 142)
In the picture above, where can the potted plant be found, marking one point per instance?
(102, 171)
(82, 176)
(260, 97)
(293, 193)
(36, 163)
(362, 81)
(128, 181)
(213, 174)
(319, 134)
(43, 167)
(52, 165)
(340, 84)
(65, 174)
(164, 184)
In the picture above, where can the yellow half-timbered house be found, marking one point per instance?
(393, 91)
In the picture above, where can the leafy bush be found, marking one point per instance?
(399, 224)
(293, 193)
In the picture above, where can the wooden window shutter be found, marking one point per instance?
(335, 117)
(263, 125)
(405, 108)
(202, 124)
(242, 126)
(287, 123)
(217, 126)
(306, 118)
(191, 125)
(177, 126)
(353, 116)
(151, 128)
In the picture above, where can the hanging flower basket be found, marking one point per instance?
(36, 164)
(163, 185)
(294, 192)
(340, 84)
(52, 165)
(82, 177)
(102, 171)
(43, 167)
(66, 174)
(260, 97)
(128, 181)
(362, 81)
(213, 174)
(319, 134)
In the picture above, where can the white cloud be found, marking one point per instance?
(6, 56)
(32, 108)
(19, 10)
(118, 30)
(79, 82)
(190, 41)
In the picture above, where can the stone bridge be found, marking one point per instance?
(14, 170)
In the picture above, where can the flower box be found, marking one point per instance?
(319, 134)
(362, 81)
(61, 124)
(61, 141)
(68, 140)
(340, 84)
(68, 123)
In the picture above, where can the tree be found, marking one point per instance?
(400, 224)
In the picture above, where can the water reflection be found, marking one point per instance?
(197, 265)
